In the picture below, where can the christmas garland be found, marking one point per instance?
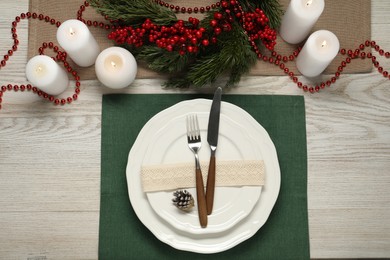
(229, 39)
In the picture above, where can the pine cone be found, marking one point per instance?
(183, 200)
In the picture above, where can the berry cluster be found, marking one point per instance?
(182, 36)
(189, 37)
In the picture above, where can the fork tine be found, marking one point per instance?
(192, 124)
(197, 130)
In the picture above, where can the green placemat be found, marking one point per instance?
(284, 235)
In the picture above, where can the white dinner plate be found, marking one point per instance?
(203, 243)
(231, 204)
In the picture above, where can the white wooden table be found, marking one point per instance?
(50, 158)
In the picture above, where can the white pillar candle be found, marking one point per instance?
(317, 53)
(299, 19)
(116, 67)
(76, 39)
(44, 73)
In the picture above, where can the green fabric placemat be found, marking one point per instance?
(285, 234)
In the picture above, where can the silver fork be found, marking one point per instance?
(194, 143)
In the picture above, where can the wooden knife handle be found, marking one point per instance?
(202, 209)
(210, 185)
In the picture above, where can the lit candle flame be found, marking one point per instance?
(39, 69)
(113, 64)
(309, 2)
(323, 44)
(71, 31)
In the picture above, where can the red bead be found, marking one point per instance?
(56, 101)
(63, 101)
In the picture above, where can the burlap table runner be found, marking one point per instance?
(350, 20)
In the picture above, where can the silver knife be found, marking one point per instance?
(212, 139)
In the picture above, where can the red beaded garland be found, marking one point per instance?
(254, 25)
(60, 57)
(189, 10)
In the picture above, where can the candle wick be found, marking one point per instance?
(39, 69)
(71, 31)
(113, 64)
(309, 2)
(323, 44)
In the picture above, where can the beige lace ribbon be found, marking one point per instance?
(178, 176)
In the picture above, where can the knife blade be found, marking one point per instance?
(212, 139)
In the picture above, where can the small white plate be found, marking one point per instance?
(231, 204)
(203, 243)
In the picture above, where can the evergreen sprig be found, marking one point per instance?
(134, 12)
(272, 9)
(232, 55)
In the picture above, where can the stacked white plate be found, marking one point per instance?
(239, 212)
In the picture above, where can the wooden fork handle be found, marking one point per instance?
(202, 209)
(210, 185)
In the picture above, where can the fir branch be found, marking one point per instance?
(272, 9)
(134, 12)
(161, 60)
(235, 56)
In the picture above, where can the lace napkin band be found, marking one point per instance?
(180, 176)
